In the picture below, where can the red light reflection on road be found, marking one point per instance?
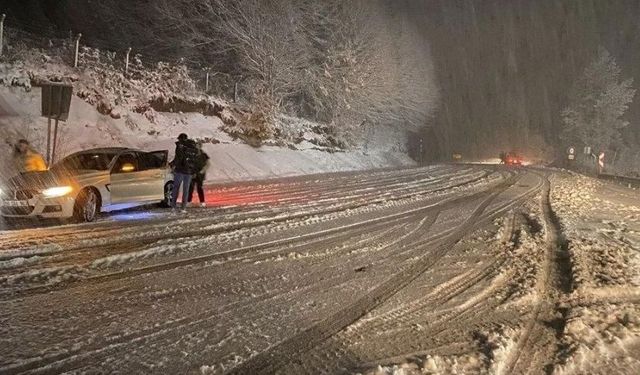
(250, 195)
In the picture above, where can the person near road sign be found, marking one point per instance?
(26, 159)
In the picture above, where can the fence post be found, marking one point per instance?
(206, 85)
(75, 61)
(2, 33)
(126, 62)
(235, 92)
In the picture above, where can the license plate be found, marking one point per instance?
(15, 203)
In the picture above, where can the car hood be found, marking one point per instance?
(36, 181)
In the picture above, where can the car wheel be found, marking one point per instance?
(168, 189)
(86, 207)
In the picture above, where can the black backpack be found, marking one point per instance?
(190, 155)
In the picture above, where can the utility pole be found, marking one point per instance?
(75, 61)
(2, 32)
(126, 62)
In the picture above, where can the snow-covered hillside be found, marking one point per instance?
(231, 159)
(150, 105)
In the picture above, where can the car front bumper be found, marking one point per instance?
(38, 207)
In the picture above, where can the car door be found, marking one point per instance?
(124, 179)
(153, 170)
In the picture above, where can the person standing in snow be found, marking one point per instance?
(184, 166)
(26, 159)
(200, 176)
(503, 157)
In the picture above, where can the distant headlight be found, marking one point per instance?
(55, 192)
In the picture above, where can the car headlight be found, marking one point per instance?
(4, 193)
(58, 191)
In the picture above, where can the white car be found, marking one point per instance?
(89, 182)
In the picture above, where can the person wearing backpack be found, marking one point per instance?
(199, 177)
(184, 166)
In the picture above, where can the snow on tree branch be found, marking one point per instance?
(597, 104)
(341, 62)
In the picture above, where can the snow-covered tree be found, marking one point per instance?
(597, 103)
(342, 62)
(370, 66)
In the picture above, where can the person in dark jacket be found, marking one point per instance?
(200, 176)
(503, 157)
(184, 166)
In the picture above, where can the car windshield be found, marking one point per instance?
(98, 161)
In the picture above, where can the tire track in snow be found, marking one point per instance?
(19, 293)
(327, 190)
(442, 324)
(70, 361)
(151, 333)
(272, 359)
(332, 360)
(111, 246)
(539, 339)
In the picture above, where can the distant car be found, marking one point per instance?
(513, 159)
(89, 182)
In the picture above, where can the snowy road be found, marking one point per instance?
(454, 265)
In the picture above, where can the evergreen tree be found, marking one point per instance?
(597, 103)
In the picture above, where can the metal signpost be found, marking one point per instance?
(2, 18)
(56, 101)
(571, 157)
(601, 163)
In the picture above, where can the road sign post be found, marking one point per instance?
(571, 156)
(2, 18)
(55, 105)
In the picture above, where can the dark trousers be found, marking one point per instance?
(184, 180)
(198, 181)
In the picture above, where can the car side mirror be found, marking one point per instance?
(127, 167)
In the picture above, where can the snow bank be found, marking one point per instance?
(464, 364)
(602, 339)
(600, 233)
(602, 332)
